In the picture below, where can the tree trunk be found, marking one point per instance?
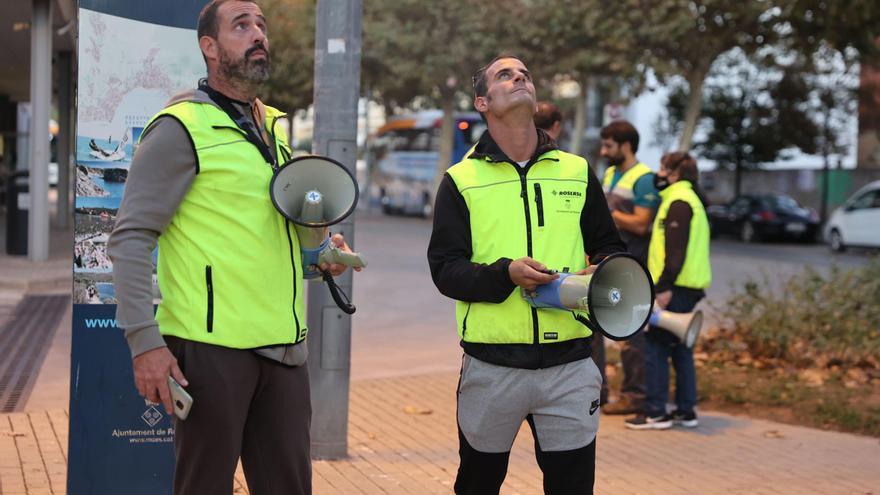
(826, 163)
(826, 167)
(291, 117)
(367, 178)
(447, 139)
(580, 116)
(694, 107)
(737, 178)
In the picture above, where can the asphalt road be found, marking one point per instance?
(401, 313)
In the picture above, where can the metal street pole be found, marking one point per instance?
(41, 94)
(65, 136)
(337, 77)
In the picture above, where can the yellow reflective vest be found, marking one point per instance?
(626, 183)
(696, 273)
(515, 214)
(229, 269)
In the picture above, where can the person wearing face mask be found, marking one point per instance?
(633, 200)
(678, 259)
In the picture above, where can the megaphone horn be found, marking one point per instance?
(685, 326)
(315, 192)
(617, 296)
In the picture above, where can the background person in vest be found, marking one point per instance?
(678, 260)
(510, 210)
(633, 199)
(231, 324)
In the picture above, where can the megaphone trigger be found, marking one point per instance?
(335, 255)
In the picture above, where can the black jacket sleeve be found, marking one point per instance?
(597, 227)
(677, 226)
(450, 251)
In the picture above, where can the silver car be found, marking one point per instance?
(856, 222)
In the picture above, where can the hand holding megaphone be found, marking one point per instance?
(337, 257)
(529, 273)
(616, 295)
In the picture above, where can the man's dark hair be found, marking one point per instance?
(547, 115)
(208, 24)
(621, 131)
(479, 78)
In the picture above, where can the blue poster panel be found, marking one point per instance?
(119, 443)
(133, 56)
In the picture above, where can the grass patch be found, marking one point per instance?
(783, 395)
(780, 393)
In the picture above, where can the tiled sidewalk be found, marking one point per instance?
(402, 440)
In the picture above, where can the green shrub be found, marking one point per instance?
(810, 319)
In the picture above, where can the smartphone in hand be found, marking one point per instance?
(180, 398)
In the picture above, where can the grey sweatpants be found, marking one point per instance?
(247, 406)
(563, 402)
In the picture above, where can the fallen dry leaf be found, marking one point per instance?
(858, 375)
(416, 410)
(773, 434)
(812, 377)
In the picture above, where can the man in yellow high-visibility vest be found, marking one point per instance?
(510, 210)
(231, 326)
(633, 199)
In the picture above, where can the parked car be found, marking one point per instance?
(756, 217)
(856, 222)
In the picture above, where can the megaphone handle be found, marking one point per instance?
(339, 297)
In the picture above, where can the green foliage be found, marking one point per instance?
(809, 318)
(780, 395)
(684, 37)
(750, 119)
(292, 47)
(840, 23)
(423, 49)
(429, 50)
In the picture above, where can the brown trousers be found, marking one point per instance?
(246, 406)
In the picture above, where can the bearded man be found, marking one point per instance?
(231, 325)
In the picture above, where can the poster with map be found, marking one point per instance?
(133, 57)
(128, 69)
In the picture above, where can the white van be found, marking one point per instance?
(856, 222)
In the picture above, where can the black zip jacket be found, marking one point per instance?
(449, 256)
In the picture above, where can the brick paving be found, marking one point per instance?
(402, 437)
(402, 440)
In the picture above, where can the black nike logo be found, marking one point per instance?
(594, 406)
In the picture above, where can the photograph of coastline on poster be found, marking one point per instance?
(128, 70)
